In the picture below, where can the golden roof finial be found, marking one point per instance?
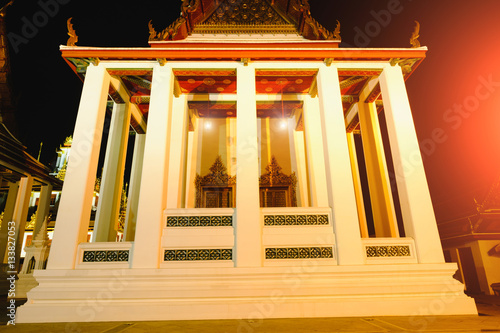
(152, 31)
(415, 35)
(336, 32)
(73, 38)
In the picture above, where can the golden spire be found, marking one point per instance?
(62, 173)
(73, 38)
(415, 35)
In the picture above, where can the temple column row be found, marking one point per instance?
(333, 183)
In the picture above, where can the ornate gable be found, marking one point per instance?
(245, 12)
(244, 17)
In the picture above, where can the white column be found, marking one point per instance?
(300, 153)
(191, 163)
(177, 151)
(7, 216)
(134, 188)
(43, 207)
(358, 190)
(76, 201)
(108, 208)
(384, 215)
(338, 168)
(231, 146)
(414, 196)
(21, 213)
(294, 163)
(318, 195)
(248, 235)
(153, 198)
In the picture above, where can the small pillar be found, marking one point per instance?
(134, 188)
(176, 163)
(318, 195)
(384, 215)
(108, 208)
(363, 226)
(21, 214)
(43, 209)
(7, 216)
(298, 160)
(192, 162)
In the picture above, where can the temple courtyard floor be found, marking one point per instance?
(488, 320)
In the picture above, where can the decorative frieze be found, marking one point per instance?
(270, 220)
(388, 251)
(198, 255)
(299, 253)
(106, 256)
(199, 221)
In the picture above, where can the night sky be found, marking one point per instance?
(454, 92)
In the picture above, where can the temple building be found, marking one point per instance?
(472, 240)
(259, 178)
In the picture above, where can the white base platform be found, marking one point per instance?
(245, 293)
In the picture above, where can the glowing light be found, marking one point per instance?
(283, 124)
(208, 124)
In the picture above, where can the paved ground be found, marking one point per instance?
(487, 321)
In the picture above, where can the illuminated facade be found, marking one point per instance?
(245, 197)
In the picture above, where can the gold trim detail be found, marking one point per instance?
(168, 33)
(388, 251)
(320, 31)
(299, 253)
(198, 255)
(199, 221)
(287, 220)
(233, 13)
